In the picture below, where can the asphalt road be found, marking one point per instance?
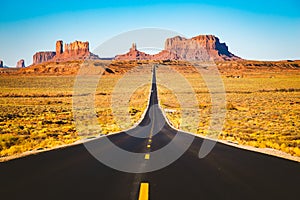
(226, 173)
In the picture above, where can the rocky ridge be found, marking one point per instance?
(133, 54)
(202, 47)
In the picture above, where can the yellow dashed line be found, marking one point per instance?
(144, 191)
(150, 140)
(148, 146)
(147, 156)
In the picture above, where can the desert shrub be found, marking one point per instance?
(230, 106)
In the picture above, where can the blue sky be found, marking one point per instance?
(262, 30)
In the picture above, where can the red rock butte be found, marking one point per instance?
(20, 63)
(202, 47)
(133, 54)
(74, 51)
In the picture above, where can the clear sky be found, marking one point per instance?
(261, 30)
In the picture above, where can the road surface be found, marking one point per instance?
(226, 173)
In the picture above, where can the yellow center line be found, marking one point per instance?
(144, 191)
(150, 140)
(148, 146)
(147, 156)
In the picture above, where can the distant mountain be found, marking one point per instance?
(202, 47)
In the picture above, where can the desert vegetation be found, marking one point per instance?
(36, 111)
(262, 109)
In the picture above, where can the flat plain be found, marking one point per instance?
(262, 109)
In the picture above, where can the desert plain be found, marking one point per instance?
(262, 103)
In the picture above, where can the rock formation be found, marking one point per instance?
(20, 64)
(202, 47)
(165, 55)
(74, 51)
(133, 54)
(45, 56)
(1, 64)
(59, 47)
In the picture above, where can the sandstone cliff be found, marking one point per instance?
(74, 51)
(201, 47)
(20, 64)
(44, 56)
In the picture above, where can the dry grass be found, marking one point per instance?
(36, 112)
(263, 109)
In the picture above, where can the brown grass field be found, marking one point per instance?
(263, 104)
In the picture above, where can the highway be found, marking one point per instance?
(226, 173)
